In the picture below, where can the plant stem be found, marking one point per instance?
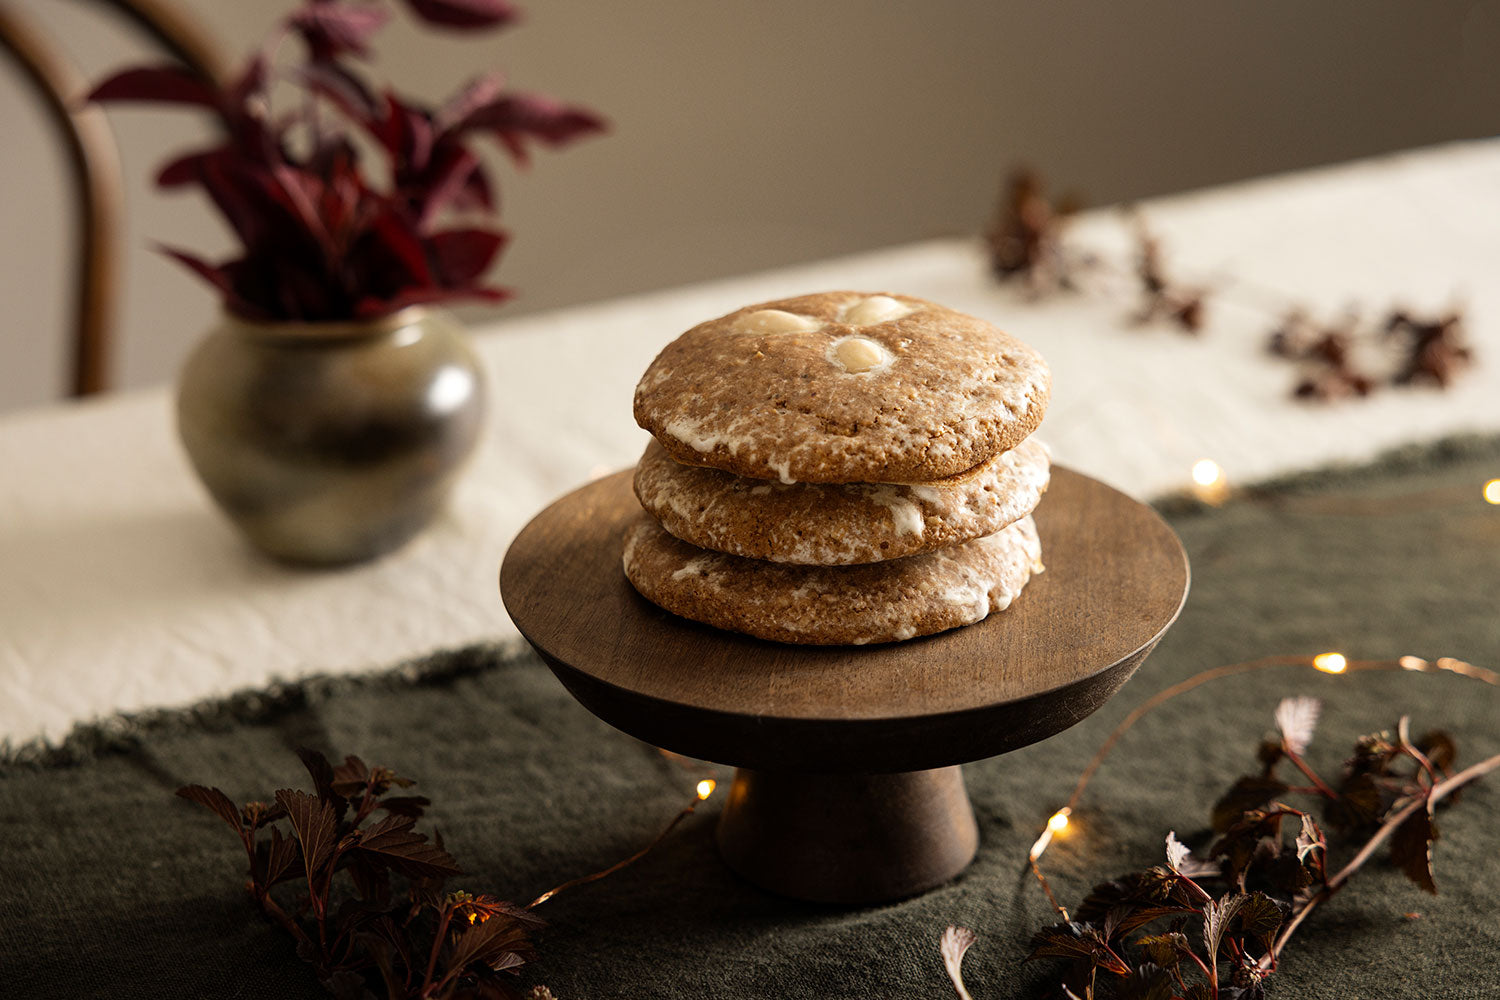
(437, 945)
(1194, 956)
(1434, 795)
(1312, 775)
(1403, 732)
(276, 913)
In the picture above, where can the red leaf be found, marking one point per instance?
(160, 84)
(1077, 942)
(185, 169)
(251, 79)
(314, 823)
(335, 29)
(234, 188)
(318, 769)
(347, 91)
(1411, 848)
(213, 275)
(221, 278)
(519, 117)
(476, 192)
(447, 180)
(406, 132)
(478, 93)
(349, 777)
(465, 13)
(500, 942)
(396, 236)
(393, 843)
(215, 800)
(462, 255)
(280, 858)
(299, 191)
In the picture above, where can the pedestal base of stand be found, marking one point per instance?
(848, 838)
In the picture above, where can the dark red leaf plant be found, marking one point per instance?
(333, 873)
(324, 237)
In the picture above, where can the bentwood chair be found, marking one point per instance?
(94, 161)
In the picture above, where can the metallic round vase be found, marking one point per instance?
(332, 442)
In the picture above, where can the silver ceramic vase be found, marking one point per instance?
(331, 443)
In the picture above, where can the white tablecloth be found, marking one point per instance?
(121, 588)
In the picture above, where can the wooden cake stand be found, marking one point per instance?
(848, 788)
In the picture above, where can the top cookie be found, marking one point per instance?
(843, 387)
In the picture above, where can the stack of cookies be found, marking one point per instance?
(841, 468)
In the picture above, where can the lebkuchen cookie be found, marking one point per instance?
(839, 468)
(843, 388)
(838, 524)
(833, 605)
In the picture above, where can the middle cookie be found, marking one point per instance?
(838, 524)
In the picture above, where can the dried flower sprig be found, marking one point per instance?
(1270, 864)
(1436, 351)
(1025, 237)
(1163, 298)
(1027, 244)
(322, 238)
(1270, 858)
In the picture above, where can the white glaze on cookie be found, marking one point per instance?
(834, 524)
(847, 605)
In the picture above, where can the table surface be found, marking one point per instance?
(122, 589)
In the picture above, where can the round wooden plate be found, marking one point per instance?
(1116, 578)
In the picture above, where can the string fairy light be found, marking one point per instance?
(701, 792)
(1206, 472)
(1328, 663)
(1209, 482)
(1057, 823)
(1492, 491)
(1331, 663)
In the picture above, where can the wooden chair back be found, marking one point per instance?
(94, 163)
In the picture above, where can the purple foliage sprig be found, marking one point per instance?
(1215, 927)
(360, 934)
(320, 238)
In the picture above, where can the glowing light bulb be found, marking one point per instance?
(1059, 820)
(706, 788)
(1492, 491)
(1209, 482)
(1331, 663)
(1206, 472)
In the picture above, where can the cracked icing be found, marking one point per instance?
(763, 393)
(833, 605)
(838, 524)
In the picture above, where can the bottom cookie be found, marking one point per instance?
(833, 605)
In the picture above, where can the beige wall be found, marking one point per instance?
(750, 135)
